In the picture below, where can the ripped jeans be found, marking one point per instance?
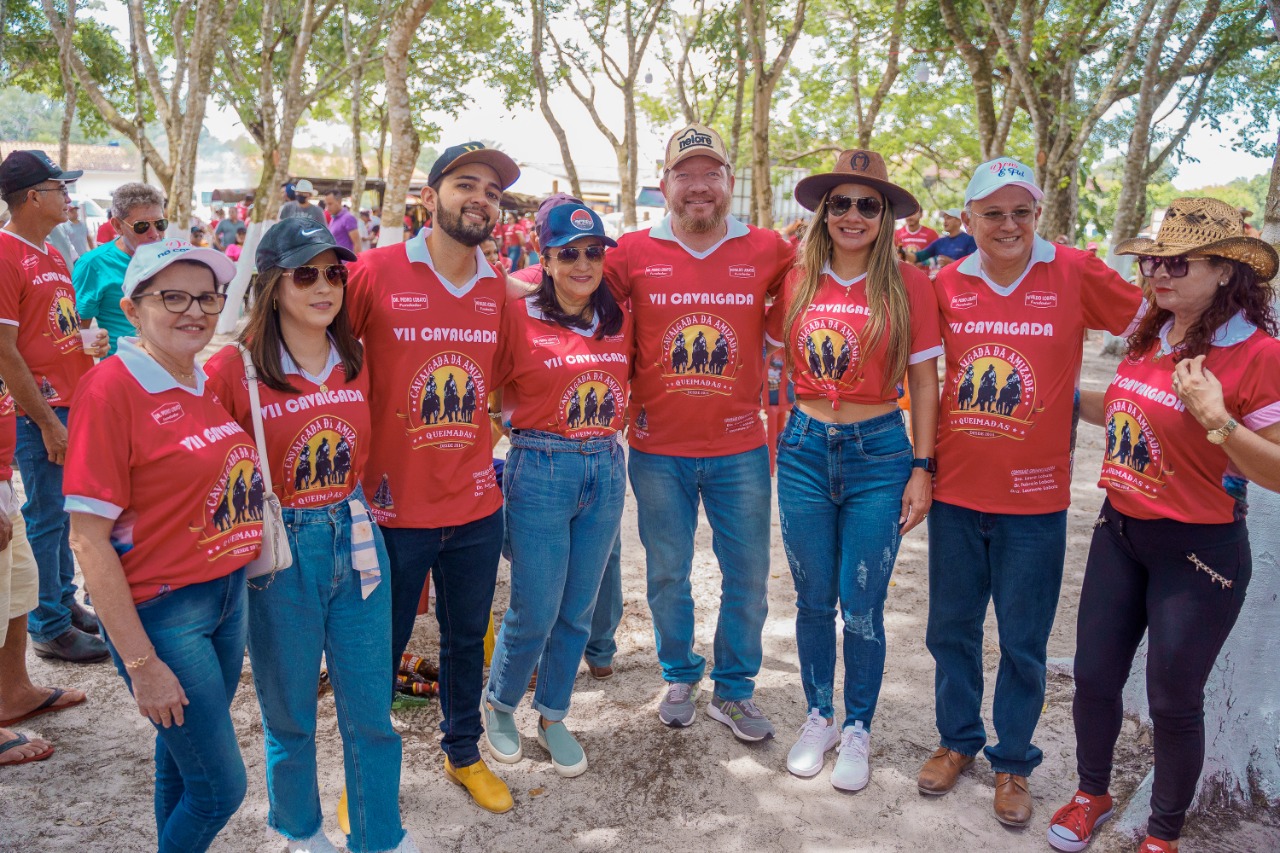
(840, 495)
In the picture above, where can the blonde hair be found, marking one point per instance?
(886, 292)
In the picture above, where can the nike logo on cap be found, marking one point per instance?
(309, 233)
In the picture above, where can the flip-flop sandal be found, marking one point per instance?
(45, 707)
(22, 740)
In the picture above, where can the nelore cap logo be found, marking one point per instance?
(692, 137)
(581, 219)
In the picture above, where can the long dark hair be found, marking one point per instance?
(604, 308)
(1243, 292)
(264, 340)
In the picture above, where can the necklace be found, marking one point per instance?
(176, 374)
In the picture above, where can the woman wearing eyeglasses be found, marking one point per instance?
(163, 520)
(138, 218)
(314, 394)
(564, 357)
(1192, 416)
(853, 322)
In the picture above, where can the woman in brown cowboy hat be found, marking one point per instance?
(1192, 416)
(853, 322)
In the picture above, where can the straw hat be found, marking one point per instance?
(1205, 226)
(857, 166)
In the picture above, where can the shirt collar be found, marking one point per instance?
(536, 313)
(1230, 333)
(826, 270)
(1042, 252)
(288, 365)
(44, 250)
(417, 252)
(153, 378)
(734, 228)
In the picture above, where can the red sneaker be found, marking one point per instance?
(1156, 845)
(1072, 826)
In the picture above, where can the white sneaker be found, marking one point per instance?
(817, 735)
(318, 843)
(851, 772)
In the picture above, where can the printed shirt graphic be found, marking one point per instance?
(1013, 357)
(559, 380)
(317, 438)
(170, 466)
(699, 330)
(914, 240)
(36, 296)
(1157, 462)
(8, 433)
(429, 350)
(829, 355)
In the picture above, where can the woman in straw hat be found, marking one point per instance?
(853, 321)
(1192, 416)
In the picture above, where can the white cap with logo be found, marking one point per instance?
(150, 258)
(999, 173)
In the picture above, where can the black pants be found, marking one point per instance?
(1183, 584)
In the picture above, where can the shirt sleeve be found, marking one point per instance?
(928, 251)
(10, 290)
(1109, 302)
(504, 360)
(1260, 390)
(786, 262)
(776, 316)
(359, 294)
(617, 272)
(926, 331)
(225, 374)
(88, 296)
(96, 476)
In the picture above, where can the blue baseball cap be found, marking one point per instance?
(568, 222)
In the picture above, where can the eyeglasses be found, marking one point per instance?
(569, 254)
(869, 207)
(995, 217)
(178, 301)
(304, 277)
(142, 226)
(1176, 266)
(62, 189)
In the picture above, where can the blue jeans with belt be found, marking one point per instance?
(564, 506)
(199, 633)
(313, 607)
(840, 496)
(48, 531)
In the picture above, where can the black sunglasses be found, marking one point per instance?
(1175, 266)
(304, 277)
(869, 207)
(142, 226)
(178, 301)
(569, 254)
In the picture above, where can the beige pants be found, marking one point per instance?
(19, 577)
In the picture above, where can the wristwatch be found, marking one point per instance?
(928, 463)
(1219, 435)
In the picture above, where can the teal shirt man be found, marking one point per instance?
(98, 278)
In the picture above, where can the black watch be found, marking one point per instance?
(928, 463)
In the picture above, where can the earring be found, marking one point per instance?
(275, 304)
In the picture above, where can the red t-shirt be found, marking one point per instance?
(914, 239)
(170, 466)
(565, 381)
(1157, 462)
(36, 296)
(828, 360)
(429, 350)
(699, 328)
(106, 233)
(8, 433)
(1013, 358)
(317, 438)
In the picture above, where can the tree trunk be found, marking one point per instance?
(1060, 181)
(765, 76)
(358, 170)
(382, 142)
(538, 9)
(628, 158)
(761, 187)
(739, 92)
(68, 86)
(404, 137)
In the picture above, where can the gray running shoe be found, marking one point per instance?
(742, 716)
(678, 707)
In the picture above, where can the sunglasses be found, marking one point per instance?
(1176, 266)
(569, 254)
(178, 301)
(868, 207)
(142, 226)
(304, 277)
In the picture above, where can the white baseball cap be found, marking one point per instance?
(953, 212)
(999, 173)
(150, 258)
(304, 186)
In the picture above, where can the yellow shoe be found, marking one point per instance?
(344, 820)
(488, 791)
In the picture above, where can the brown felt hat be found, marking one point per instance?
(1205, 226)
(857, 166)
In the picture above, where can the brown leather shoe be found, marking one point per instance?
(600, 673)
(940, 772)
(1013, 800)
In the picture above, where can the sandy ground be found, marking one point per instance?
(648, 786)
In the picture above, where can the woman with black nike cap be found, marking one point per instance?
(314, 402)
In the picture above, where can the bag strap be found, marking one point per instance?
(255, 408)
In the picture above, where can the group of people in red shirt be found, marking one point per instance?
(354, 419)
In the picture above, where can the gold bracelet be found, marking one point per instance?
(138, 663)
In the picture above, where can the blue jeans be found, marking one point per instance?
(604, 621)
(840, 496)
(1014, 561)
(563, 501)
(48, 531)
(735, 492)
(463, 561)
(199, 633)
(315, 606)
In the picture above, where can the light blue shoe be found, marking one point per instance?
(567, 756)
(501, 734)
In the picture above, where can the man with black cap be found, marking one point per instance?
(41, 361)
(429, 310)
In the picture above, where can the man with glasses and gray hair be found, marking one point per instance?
(1013, 316)
(42, 359)
(137, 217)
